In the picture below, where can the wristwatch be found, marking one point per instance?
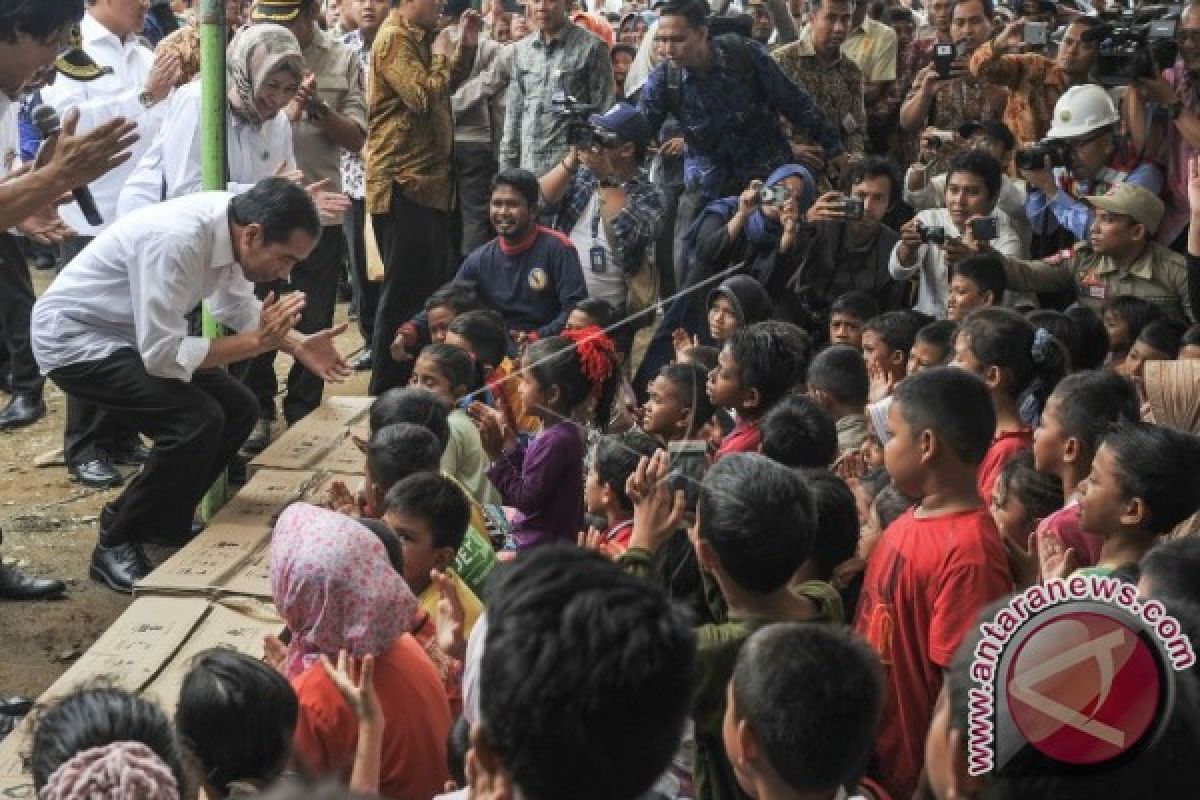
(147, 100)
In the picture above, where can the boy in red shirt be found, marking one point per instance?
(758, 366)
(614, 459)
(936, 566)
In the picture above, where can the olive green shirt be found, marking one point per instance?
(1158, 276)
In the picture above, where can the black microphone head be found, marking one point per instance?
(46, 119)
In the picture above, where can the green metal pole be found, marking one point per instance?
(213, 38)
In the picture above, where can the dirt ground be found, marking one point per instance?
(49, 526)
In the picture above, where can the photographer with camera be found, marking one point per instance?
(1035, 81)
(1082, 155)
(1165, 109)
(562, 66)
(1120, 258)
(932, 242)
(850, 245)
(601, 197)
(994, 138)
(944, 94)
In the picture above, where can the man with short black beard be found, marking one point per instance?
(528, 273)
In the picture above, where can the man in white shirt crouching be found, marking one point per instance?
(113, 330)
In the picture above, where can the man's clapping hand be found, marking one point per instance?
(279, 315)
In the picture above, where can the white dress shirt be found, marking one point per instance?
(1011, 201)
(134, 286)
(931, 260)
(173, 161)
(105, 99)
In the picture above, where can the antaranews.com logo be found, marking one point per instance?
(1080, 669)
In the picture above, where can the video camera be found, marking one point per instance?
(1034, 158)
(1134, 44)
(580, 132)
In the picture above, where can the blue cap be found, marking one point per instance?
(626, 121)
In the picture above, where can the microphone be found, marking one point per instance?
(48, 124)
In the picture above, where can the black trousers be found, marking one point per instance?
(89, 433)
(317, 277)
(366, 292)
(16, 304)
(196, 427)
(474, 167)
(414, 242)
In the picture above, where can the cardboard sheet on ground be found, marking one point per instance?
(264, 496)
(149, 649)
(321, 439)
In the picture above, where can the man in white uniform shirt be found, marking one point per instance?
(134, 90)
(112, 330)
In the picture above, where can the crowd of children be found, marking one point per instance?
(763, 580)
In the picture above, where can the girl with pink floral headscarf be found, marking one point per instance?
(336, 590)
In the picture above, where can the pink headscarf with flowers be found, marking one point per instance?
(334, 587)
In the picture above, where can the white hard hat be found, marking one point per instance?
(1081, 110)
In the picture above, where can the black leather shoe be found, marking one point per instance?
(16, 585)
(16, 706)
(258, 440)
(134, 454)
(6, 384)
(363, 362)
(7, 724)
(23, 409)
(120, 565)
(98, 474)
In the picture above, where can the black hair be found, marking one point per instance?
(391, 542)
(940, 334)
(841, 370)
(279, 207)
(837, 528)
(459, 296)
(955, 405)
(703, 355)
(890, 504)
(485, 331)
(1159, 465)
(1093, 337)
(397, 451)
(1172, 568)
(1164, 335)
(1136, 313)
(1062, 328)
(522, 181)
(579, 655)
(37, 19)
(877, 167)
(237, 715)
(855, 303)
(456, 365)
(458, 742)
(415, 406)
(986, 271)
(1191, 337)
(601, 312)
(758, 516)
(438, 500)
(1091, 403)
(897, 14)
(797, 432)
(989, 11)
(979, 163)
(1039, 492)
(1000, 337)
(95, 717)
(616, 456)
(694, 11)
(689, 380)
(555, 362)
(771, 357)
(812, 695)
(627, 49)
(897, 329)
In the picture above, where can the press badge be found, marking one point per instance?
(1093, 288)
(599, 259)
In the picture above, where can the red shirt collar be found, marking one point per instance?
(521, 246)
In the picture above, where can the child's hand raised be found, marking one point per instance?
(681, 340)
(882, 382)
(494, 432)
(1056, 561)
(593, 539)
(451, 619)
(274, 653)
(657, 509)
(354, 680)
(342, 500)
